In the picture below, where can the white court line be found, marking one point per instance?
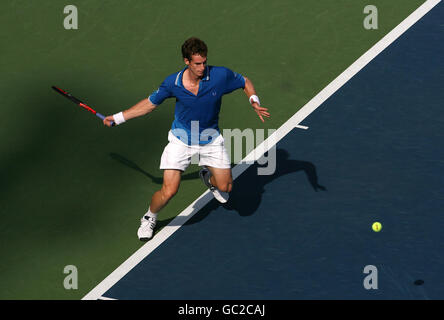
(271, 141)
(106, 298)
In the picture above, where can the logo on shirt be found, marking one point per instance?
(214, 93)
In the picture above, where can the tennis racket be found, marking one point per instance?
(79, 103)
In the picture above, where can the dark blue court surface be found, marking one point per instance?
(374, 151)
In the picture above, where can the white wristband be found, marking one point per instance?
(254, 98)
(118, 118)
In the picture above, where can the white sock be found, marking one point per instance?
(151, 214)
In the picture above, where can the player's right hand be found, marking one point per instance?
(108, 120)
(261, 111)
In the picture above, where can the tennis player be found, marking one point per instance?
(198, 89)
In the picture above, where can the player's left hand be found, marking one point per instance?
(261, 111)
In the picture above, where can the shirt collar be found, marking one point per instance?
(206, 76)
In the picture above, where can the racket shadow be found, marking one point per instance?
(157, 180)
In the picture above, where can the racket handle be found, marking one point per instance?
(101, 116)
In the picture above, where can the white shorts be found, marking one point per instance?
(178, 155)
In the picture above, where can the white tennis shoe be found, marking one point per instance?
(205, 176)
(146, 229)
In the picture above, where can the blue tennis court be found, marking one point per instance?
(372, 152)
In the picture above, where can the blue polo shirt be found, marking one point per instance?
(203, 107)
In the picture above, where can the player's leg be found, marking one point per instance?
(221, 178)
(176, 157)
(216, 171)
(170, 186)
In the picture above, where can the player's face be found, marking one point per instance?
(197, 64)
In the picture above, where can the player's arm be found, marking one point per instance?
(254, 100)
(141, 108)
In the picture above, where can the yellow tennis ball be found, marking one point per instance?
(376, 227)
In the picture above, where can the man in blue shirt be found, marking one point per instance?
(198, 90)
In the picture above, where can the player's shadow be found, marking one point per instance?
(249, 187)
(154, 179)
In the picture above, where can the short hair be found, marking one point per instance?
(193, 46)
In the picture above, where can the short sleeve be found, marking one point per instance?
(234, 81)
(162, 93)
